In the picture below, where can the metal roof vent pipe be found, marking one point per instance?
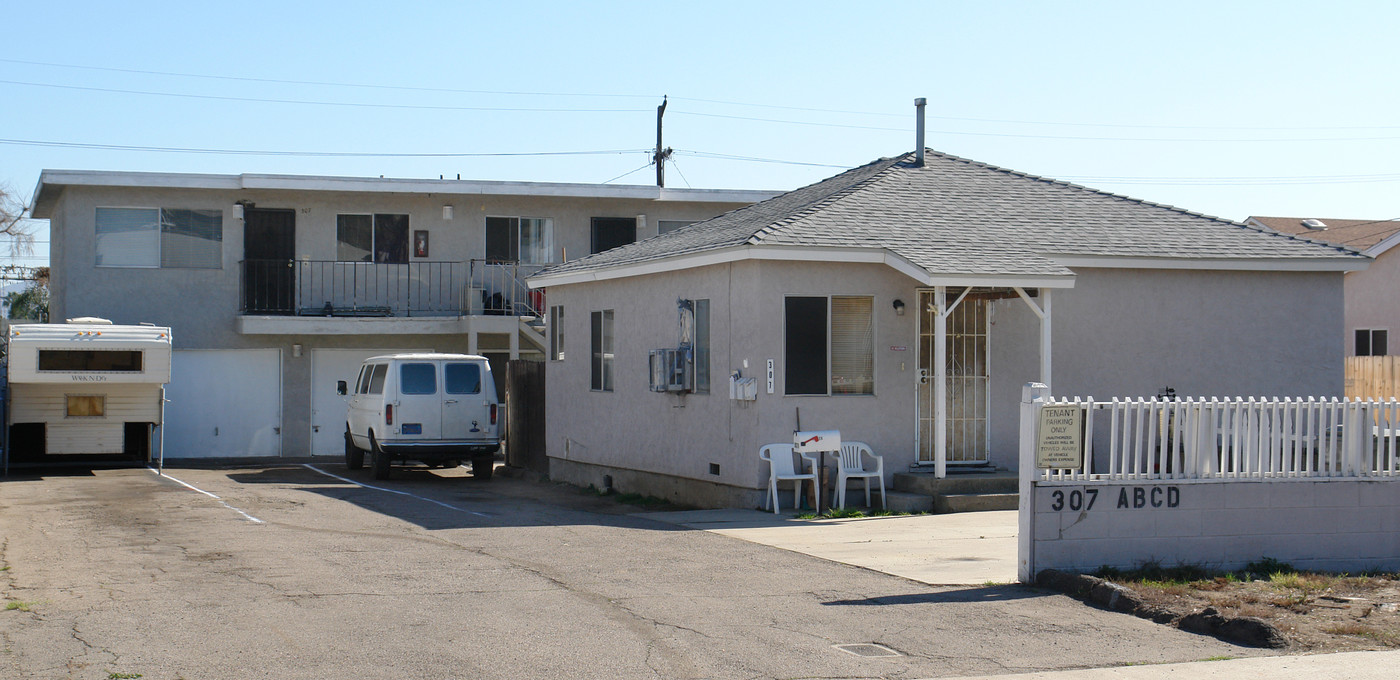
(919, 132)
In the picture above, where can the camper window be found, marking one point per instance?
(86, 406)
(123, 361)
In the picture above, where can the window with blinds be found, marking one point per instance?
(159, 238)
(852, 345)
(829, 345)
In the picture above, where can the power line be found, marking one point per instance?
(333, 154)
(324, 83)
(629, 172)
(367, 105)
(1030, 136)
(755, 159)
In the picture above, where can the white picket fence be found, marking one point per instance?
(1234, 438)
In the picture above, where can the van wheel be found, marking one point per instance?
(483, 467)
(380, 458)
(354, 456)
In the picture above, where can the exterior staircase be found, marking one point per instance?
(960, 491)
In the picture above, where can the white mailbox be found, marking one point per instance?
(816, 441)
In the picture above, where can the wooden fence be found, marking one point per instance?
(525, 415)
(1373, 377)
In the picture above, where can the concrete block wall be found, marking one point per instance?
(1346, 525)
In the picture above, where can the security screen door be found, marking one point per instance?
(968, 380)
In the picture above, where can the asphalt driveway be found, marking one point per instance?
(316, 572)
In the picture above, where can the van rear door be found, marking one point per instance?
(418, 413)
(466, 404)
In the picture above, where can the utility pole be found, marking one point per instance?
(659, 158)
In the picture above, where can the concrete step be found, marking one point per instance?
(975, 502)
(899, 501)
(921, 482)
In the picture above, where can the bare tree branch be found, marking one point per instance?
(15, 222)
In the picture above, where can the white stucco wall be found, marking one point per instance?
(1118, 332)
(1328, 525)
(1371, 301)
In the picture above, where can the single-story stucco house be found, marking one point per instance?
(905, 302)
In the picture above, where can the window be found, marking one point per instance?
(362, 383)
(527, 240)
(829, 358)
(556, 333)
(417, 379)
(668, 226)
(376, 380)
(611, 232)
(160, 237)
(461, 378)
(602, 372)
(702, 346)
(1371, 342)
(371, 238)
(122, 361)
(86, 406)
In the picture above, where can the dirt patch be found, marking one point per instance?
(1314, 613)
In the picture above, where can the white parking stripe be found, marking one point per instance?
(401, 493)
(221, 501)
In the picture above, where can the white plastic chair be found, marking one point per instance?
(781, 468)
(852, 466)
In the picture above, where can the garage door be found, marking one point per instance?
(328, 407)
(224, 403)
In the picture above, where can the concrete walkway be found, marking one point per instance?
(1343, 666)
(970, 548)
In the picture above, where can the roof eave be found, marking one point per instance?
(1340, 263)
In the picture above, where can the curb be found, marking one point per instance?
(1246, 631)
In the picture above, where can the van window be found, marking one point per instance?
(417, 379)
(362, 383)
(376, 380)
(461, 378)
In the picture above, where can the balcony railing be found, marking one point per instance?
(349, 289)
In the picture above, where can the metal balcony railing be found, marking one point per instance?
(349, 289)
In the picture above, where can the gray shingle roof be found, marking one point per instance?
(955, 216)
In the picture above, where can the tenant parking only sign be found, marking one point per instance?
(1060, 438)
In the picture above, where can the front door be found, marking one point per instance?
(968, 380)
(269, 252)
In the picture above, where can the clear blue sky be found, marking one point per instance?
(1231, 109)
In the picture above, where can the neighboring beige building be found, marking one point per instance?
(277, 286)
(905, 303)
(1373, 295)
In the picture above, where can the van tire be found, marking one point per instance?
(380, 458)
(483, 467)
(354, 455)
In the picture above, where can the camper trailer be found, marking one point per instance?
(85, 387)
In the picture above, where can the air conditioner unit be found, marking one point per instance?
(672, 370)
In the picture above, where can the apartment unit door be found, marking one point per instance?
(269, 260)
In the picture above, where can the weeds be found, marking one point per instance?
(19, 605)
(122, 676)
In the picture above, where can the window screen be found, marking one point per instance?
(124, 361)
(417, 379)
(462, 378)
(804, 369)
(602, 341)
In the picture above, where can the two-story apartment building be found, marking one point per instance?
(277, 286)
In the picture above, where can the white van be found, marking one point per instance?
(440, 409)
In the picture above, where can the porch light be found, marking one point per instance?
(899, 307)
(238, 211)
(447, 212)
